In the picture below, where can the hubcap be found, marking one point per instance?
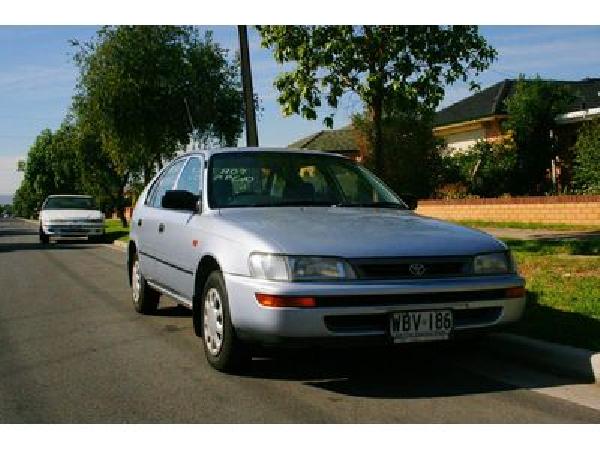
(136, 281)
(213, 321)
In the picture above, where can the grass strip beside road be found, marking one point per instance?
(114, 231)
(525, 225)
(563, 283)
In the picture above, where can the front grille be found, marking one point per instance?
(379, 323)
(76, 221)
(403, 268)
(332, 301)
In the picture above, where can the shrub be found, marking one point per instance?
(487, 170)
(587, 158)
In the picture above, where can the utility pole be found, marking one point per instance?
(251, 133)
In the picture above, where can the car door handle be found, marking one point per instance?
(139, 222)
(161, 227)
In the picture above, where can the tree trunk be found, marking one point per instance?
(121, 215)
(121, 201)
(378, 157)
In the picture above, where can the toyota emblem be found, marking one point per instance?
(417, 270)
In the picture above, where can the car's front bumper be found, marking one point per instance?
(357, 310)
(73, 229)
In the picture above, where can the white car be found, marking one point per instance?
(70, 216)
(289, 247)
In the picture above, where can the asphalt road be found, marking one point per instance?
(72, 349)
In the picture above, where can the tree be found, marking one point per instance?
(532, 111)
(587, 158)
(52, 168)
(24, 202)
(408, 143)
(488, 169)
(134, 84)
(403, 68)
(99, 176)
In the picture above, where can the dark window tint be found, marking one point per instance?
(69, 203)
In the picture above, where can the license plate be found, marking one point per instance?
(415, 326)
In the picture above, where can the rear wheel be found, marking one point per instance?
(223, 349)
(145, 299)
(44, 238)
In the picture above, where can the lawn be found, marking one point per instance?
(114, 231)
(525, 225)
(563, 282)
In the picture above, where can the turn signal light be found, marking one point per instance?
(279, 301)
(515, 292)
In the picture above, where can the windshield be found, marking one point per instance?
(69, 203)
(244, 179)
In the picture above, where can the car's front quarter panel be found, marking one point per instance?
(228, 243)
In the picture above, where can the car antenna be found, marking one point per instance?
(187, 108)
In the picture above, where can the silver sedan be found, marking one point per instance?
(288, 247)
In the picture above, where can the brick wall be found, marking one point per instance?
(564, 209)
(128, 213)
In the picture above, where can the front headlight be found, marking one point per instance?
(299, 268)
(493, 263)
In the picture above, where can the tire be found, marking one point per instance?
(144, 298)
(44, 238)
(223, 350)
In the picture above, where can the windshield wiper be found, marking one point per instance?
(392, 205)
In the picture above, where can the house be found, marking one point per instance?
(342, 141)
(481, 116)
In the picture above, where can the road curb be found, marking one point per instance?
(119, 245)
(558, 358)
(35, 222)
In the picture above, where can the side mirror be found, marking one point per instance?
(180, 200)
(411, 200)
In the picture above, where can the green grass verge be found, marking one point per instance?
(114, 231)
(563, 283)
(526, 225)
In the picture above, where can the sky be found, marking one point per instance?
(37, 79)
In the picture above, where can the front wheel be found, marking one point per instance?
(223, 349)
(145, 299)
(44, 238)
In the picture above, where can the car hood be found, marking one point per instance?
(358, 232)
(69, 214)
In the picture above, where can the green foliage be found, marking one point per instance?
(488, 169)
(400, 68)
(99, 176)
(133, 87)
(587, 159)
(532, 111)
(410, 150)
(52, 168)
